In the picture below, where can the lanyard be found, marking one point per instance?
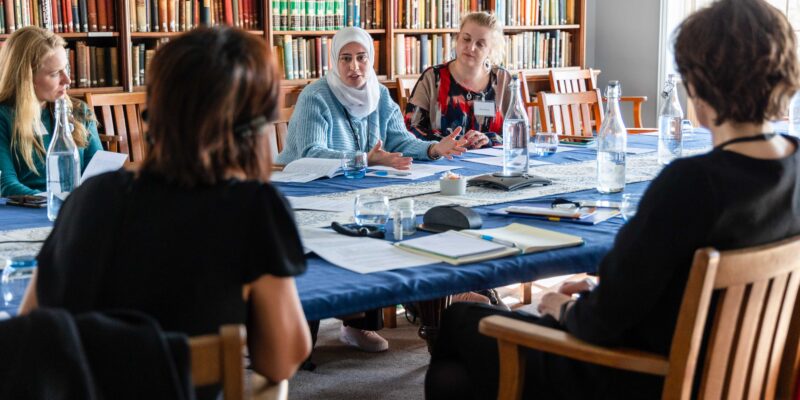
(356, 136)
(761, 136)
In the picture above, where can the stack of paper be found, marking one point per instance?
(358, 254)
(416, 171)
(305, 170)
(318, 204)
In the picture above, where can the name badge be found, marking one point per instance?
(484, 108)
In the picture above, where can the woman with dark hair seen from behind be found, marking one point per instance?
(197, 238)
(739, 63)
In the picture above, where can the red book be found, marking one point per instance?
(66, 5)
(91, 6)
(228, 10)
(111, 19)
(409, 58)
(9, 12)
(102, 16)
(196, 10)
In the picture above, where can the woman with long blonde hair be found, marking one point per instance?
(469, 92)
(33, 75)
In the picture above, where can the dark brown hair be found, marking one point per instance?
(209, 94)
(739, 56)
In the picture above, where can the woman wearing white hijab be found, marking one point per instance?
(350, 110)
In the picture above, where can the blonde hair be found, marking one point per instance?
(20, 58)
(497, 47)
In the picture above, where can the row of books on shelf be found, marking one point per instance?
(141, 55)
(184, 15)
(93, 66)
(414, 54)
(326, 15)
(535, 12)
(60, 16)
(534, 50)
(446, 14)
(309, 58)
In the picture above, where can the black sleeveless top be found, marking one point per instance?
(180, 255)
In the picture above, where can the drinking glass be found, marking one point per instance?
(354, 164)
(371, 209)
(15, 277)
(545, 144)
(629, 206)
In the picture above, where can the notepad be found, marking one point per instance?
(475, 245)
(529, 239)
(456, 248)
(305, 170)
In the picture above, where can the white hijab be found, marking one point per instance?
(364, 100)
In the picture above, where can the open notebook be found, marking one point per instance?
(469, 246)
(305, 170)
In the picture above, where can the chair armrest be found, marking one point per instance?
(561, 343)
(633, 99)
(636, 131)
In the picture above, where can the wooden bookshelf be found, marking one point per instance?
(123, 39)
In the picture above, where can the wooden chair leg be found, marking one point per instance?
(390, 317)
(512, 371)
(525, 292)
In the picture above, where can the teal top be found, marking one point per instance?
(16, 177)
(321, 128)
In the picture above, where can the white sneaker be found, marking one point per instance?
(368, 341)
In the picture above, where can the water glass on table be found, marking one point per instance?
(15, 278)
(545, 144)
(629, 206)
(354, 164)
(371, 209)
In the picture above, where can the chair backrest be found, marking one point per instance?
(531, 105)
(755, 332)
(121, 120)
(572, 81)
(570, 113)
(404, 88)
(218, 359)
(278, 130)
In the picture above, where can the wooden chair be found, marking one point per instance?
(404, 88)
(753, 343)
(120, 117)
(584, 80)
(219, 359)
(570, 113)
(278, 130)
(531, 104)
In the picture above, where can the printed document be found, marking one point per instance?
(103, 161)
(358, 254)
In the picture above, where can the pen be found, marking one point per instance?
(498, 241)
(395, 173)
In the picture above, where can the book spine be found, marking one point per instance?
(114, 67)
(400, 54)
(227, 10)
(287, 56)
(2, 17)
(325, 56)
(8, 7)
(76, 16)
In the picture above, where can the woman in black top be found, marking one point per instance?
(197, 238)
(738, 61)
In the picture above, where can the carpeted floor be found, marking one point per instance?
(345, 373)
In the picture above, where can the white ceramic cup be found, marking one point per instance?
(453, 187)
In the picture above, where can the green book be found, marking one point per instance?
(311, 15)
(321, 18)
(288, 66)
(276, 15)
(284, 6)
(296, 11)
(330, 14)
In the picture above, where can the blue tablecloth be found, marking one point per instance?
(327, 291)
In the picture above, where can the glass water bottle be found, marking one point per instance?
(63, 163)
(516, 134)
(670, 137)
(611, 142)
